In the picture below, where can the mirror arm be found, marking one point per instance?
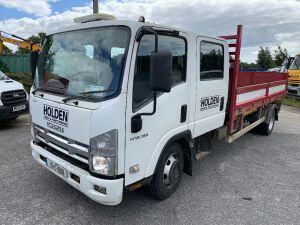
(154, 107)
(136, 120)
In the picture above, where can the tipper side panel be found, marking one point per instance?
(249, 91)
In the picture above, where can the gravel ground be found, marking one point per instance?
(255, 180)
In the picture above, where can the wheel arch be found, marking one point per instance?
(184, 139)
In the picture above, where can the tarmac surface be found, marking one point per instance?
(255, 180)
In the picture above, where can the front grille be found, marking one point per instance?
(13, 97)
(62, 144)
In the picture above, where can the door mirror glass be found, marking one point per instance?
(161, 71)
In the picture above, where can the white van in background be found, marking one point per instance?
(13, 99)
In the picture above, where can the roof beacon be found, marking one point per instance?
(142, 19)
(94, 17)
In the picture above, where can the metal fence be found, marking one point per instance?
(16, 63)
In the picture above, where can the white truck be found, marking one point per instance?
(13, 99)
(117, 105)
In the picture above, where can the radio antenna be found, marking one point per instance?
(95, 6)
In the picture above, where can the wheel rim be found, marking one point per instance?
(171, 171)
(272, 122)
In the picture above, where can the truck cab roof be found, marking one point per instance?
(133, 25)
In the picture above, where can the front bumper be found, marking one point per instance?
(6, 112)
(114, 188)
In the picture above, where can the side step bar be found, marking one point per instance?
(235, 136)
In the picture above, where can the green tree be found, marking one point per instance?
(35, 39)
(264, 58)
(6, 50)
(3, 67)
(280, 55)
(245, 65)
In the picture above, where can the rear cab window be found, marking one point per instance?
(211, 61)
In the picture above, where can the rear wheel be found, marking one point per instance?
(266, 128)
(169, 172)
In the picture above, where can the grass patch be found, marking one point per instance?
(291, 102)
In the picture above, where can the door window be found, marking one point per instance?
(142, 94)
(212, 61)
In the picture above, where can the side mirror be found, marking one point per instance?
(160, 81)
(160, 71)
(34, 56)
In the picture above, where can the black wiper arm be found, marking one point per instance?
(38, 89)
(84, 95)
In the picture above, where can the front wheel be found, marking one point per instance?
(169, 172)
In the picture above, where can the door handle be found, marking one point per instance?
(183, 113)
(222, 104)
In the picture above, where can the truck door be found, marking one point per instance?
(171, 117)
(212, 84)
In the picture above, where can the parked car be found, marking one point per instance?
(276, 69)
(13, 98)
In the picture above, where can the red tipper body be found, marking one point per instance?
(250, 91)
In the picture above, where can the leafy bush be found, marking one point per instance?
(3, 67)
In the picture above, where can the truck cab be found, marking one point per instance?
(116, 105)
(101, 123)
(13, 99)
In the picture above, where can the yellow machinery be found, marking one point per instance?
(294, 77)
(294, 70)
(15, 40)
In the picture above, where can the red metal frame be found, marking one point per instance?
(244, 82)
(236, 68)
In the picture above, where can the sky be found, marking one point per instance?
(267, 23)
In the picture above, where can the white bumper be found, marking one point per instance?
(114, 188)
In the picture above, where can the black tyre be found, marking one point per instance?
(266, 128)
(169, 172)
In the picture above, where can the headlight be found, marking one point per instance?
(104, 153)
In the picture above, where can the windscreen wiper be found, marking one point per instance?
(36, 90)
(84, 95)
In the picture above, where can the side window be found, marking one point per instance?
(212, 61)
(141, 85)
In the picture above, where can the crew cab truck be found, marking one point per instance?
(117, 104)
(13, 99)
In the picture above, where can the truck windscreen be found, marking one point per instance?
(89, 60)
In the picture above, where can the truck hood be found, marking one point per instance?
(61, 119)
(10, 85)
(77, 123)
